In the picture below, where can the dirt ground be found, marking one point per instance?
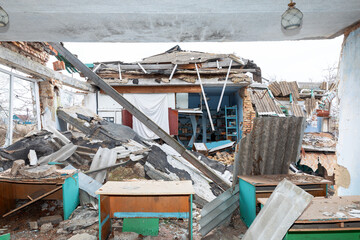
(17, 225)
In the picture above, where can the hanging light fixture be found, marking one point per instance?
(292, 17)
(4, 18)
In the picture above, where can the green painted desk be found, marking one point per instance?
(144, 199)
(261, 186)
(336, 224)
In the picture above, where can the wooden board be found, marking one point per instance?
(273, 180)
(314, 213)
(147, 188)
(158, 89)
(158, 204)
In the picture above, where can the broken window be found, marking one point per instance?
(4, 106)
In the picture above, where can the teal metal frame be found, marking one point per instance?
(228, 119)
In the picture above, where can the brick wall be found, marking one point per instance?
(248, 112)
(47, 97)
(33, 50)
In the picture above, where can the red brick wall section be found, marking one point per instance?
(33, 50)
(248, 112)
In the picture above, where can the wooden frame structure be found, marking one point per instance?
(144, 199)
(64, 188)
(261, 186)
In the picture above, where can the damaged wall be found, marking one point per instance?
(248, 112)
(348, 150)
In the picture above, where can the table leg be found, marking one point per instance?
(190, 219)
(104, 217)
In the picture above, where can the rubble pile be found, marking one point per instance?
(100, 151)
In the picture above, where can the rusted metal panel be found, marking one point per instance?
(173, 122)
(126, 118)
(166, 204)
(271, 146)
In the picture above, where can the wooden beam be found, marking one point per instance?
(191, 158)
(157, 89)
(26, 65)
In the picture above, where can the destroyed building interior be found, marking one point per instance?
(183, 144)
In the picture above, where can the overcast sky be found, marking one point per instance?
(287, 60)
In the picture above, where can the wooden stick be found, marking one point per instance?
(205, 100)
(34, 200)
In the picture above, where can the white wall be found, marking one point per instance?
(348, 150)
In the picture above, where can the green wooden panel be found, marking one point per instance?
(70, 195)
(5, 236)
(143, 226)
(328, 235)
(247, 202)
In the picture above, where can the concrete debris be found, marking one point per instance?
(139, 170)
(46, 227)
(38, 172)
(55, 220)
(17, 165)
(81, 218)
(83, 236)
(33, 225)
(126, 236)
(32, 157)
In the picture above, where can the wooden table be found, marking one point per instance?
(65, 188)
(144, 199)
(261, 186)
(327, 218)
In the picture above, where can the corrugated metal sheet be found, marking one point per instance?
(219, 210)
(275, 88)
(310, 105)
(294, 89)
(297, 110)
(271, 146)
(285, 89)
(264, 104)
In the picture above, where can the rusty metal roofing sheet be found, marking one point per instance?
(271, 146)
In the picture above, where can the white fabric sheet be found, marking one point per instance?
(155, 106)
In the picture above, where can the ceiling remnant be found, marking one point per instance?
(172, 21)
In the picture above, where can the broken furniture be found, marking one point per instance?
(65, 188)
(327, 218)
(144, 199)
(261, 186)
